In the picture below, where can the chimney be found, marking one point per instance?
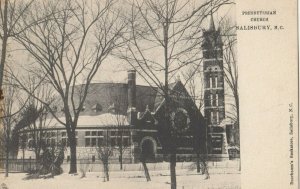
(132, 114)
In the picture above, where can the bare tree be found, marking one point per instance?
(11, 12)
(172, 31)
(69, 47)
(35, 116)
(121, 132)
(105, 151)
(9, 120)
(121, 124)
(196, 90)
(194, 82)
(231, 72)
(146, 171)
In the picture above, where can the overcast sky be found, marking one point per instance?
(113, 69)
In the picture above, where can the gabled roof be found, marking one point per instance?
(105, 96)
(108, 94)
(147, 116)
(159, 100)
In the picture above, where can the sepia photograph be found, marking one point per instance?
(121, 93)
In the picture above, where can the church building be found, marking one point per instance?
(132, 115)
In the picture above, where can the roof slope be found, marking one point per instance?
(108, 94)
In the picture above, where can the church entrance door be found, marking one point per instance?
(148, 150)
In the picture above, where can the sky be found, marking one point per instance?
(113, 69)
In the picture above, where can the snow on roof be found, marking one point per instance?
(103, 120)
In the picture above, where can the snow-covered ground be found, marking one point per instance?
(122, 180)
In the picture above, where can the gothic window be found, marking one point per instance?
(217, 113)
(211, 116)
(217, 99)
(180, 120)
(211, 100)
(210, 82)
(213, 85)
(216, 81)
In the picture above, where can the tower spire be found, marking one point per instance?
(211, 24)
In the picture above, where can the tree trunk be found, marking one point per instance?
(106, 171)
(198, 162)
(121, 160)
(3, 59)
(204, 167)
(173, 170)
(73, 161)
(121, 152)
(6, 160)
(4, 43)
(237, 129)
(23, 150)
(147, 175)
(37, 161)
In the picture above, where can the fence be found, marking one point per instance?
(19, 165)
(26, 165)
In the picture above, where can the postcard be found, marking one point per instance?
(179, 94)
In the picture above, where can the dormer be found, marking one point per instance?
(146, 117)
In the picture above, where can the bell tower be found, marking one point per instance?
(213, 70)
(214, 106)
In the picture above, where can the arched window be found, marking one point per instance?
(180, 120)
(211, 116)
